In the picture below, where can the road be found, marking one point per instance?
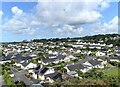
(1, 81)
(19, 75)
(14, 70)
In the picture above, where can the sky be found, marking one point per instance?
(57, 19)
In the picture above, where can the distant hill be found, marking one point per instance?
(107, 38)
(101, 38)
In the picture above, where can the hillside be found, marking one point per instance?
(107, 38)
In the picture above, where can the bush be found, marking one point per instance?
(8, 79)
(27, 75)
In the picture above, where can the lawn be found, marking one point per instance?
(8, 79)
(0, 69)
(0, 52)
(102, 69)
(114, 72)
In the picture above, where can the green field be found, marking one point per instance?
(114, 72)
(0, 52)
(0, 68)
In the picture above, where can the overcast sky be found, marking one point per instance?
(54, 19)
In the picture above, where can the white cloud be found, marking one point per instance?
(68, 12)
(16, 10)
(107, 27)
(56, 14)
(20, 23)
(1, 13)
(68, 29)
(104, 4)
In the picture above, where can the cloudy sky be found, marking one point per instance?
(57, 19)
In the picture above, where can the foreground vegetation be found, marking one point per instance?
(9, 80)
(104, 81)
(93, 77)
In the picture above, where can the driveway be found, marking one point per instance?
(14, 70)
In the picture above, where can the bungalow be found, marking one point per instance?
(103, 61)
(27, 65)
(18, 62)
(50, 56)
(69, 57)
(24, 64)
(75, 67)
(39, 73)
(31, 65)
(35, 71)
(117, 51)
(53, 76)
(99, 53)
(73, 73)
(114, 59)
(19, 56)
(3, 60)
(77, 45)
(96, 64)
(61, 57)
(48, 61)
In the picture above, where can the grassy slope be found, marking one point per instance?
(114, 72)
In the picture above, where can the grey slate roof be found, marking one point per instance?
(4, 58)
(25, 63)
(75, 66)
(20, 57)
(55, 76)
(117, 58)
(94, 62)
(61, 57)
(49, 60)
(43, 70)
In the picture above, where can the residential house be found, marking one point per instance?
(117, 51)
(99, 53)
(75, 67)
(53, 77)
(48, 61)
(70, 57)
(114, 59)
(39, 72)
(73, 73)
(96, 64)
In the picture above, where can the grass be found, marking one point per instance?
(101, 70)
(0, 69)
(8, 79)
(114, 72)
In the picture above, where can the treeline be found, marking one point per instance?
(107, 39)
(52, 39)
(101, 38)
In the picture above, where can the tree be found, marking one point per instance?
(22, 84)
(80, 73)
(63, 70)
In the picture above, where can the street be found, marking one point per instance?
(19, 76)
